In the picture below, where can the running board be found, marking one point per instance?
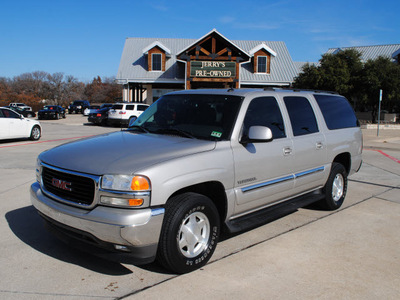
(271, 213)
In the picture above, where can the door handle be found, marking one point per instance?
(287, 151)
(319, 145)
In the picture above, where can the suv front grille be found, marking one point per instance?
(69, 187)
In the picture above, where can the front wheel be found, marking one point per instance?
(35, 133)
(335, 188)
(190, 233)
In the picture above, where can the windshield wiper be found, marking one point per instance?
(174, 131)
(141, 128)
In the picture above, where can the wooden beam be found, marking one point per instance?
(213, 45)
(204, 51)
(222, 51)
(233, 58)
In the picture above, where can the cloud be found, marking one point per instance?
(160, 7)
(226, 19)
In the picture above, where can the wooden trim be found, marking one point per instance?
(156, 50)
(262, 52)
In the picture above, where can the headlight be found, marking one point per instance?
(125, 183)
(125, 191)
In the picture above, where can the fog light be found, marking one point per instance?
(122, 202)
(121, 248)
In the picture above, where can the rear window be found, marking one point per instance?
(117, 106)
(142, 107)
(337, 111)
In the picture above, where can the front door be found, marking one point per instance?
(263, 171)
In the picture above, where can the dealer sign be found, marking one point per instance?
(213, 69)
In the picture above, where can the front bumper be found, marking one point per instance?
(134, 233)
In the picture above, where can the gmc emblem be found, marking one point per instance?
(60, 184)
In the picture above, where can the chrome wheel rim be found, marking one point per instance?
(36, 133)
(194, 234)
(338, 187)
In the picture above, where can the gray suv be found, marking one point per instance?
(196, 162)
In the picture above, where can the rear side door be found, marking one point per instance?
(309, 144)
(263, 171)
(4, 125)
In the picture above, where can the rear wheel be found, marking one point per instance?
(335, 188)
(190, 233)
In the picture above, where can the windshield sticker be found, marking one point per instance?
(216, 134)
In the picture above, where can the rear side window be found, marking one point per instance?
(130, 107)
(301, 115)
(142, 107)
(337, 111)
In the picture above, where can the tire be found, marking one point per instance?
(189, 234)
(335, 188)
(35, 133)
(132, 119)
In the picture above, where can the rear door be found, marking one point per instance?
(4, 125)
(309, 144)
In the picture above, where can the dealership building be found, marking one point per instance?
(152, 67)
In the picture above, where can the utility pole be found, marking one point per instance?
(379, 110)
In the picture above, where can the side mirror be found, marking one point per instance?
(257, 134)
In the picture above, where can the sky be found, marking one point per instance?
(85, 38)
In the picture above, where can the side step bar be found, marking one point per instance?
(272, 213)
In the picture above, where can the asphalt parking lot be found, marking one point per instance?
(352, 253)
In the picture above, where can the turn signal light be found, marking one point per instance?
(140, 183)
(135, 202)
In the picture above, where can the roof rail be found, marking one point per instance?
(299, 90)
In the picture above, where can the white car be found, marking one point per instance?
(14, 125)
(125, 113)
(21, 106)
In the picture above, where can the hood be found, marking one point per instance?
(121, 152)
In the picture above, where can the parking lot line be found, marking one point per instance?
(48, 141)
(387, 155)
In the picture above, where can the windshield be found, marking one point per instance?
(197, 116)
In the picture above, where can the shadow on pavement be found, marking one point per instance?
(28, 226)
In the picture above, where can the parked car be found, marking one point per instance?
(90, 109)
(51, 112)
(78, 106)
(195, 162)
(123, 113)
(99, 117)
(14, 125)
(25, 113)
(20, 106)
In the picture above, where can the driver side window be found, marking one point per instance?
(264, 111)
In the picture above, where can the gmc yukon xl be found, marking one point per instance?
(196, 162)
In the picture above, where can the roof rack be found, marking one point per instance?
(299, 90)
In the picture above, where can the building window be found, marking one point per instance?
(261, 64)
(156, 62)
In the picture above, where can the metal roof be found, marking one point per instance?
(371, 52)
(133, 64)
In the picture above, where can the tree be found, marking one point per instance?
(381, 74)
(345, 73)
(336, 72)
